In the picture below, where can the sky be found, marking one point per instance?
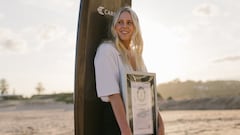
(186, 40)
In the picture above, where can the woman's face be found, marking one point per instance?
(125, 27)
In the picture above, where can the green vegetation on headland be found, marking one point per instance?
(179, 90)
(60, 97)
(178, 95)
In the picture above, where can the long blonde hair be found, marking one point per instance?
(136, 45)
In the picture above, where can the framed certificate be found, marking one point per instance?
(140, 100)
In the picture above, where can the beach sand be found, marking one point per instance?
(37, 118)
(202, 122)
(54, 118)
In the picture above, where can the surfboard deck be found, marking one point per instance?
(94, 18)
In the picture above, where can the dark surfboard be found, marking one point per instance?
(94, 19)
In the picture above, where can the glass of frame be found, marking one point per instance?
(140, 100)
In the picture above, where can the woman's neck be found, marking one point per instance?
(126, 44)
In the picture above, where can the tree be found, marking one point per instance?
(3, 86)
(39, 88)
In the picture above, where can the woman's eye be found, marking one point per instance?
(130, 23)
(120, 22)
(125, 23)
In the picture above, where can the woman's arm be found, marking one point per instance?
(120, 113)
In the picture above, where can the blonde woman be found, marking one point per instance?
(113, 58)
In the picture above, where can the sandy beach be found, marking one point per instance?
(36, 118)
(202, 122)
(55, 118)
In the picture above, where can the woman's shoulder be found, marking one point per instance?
(107, 46)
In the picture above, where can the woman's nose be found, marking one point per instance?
(124, 25)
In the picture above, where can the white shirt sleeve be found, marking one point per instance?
(107, 71)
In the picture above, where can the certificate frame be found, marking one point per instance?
(138, 90)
